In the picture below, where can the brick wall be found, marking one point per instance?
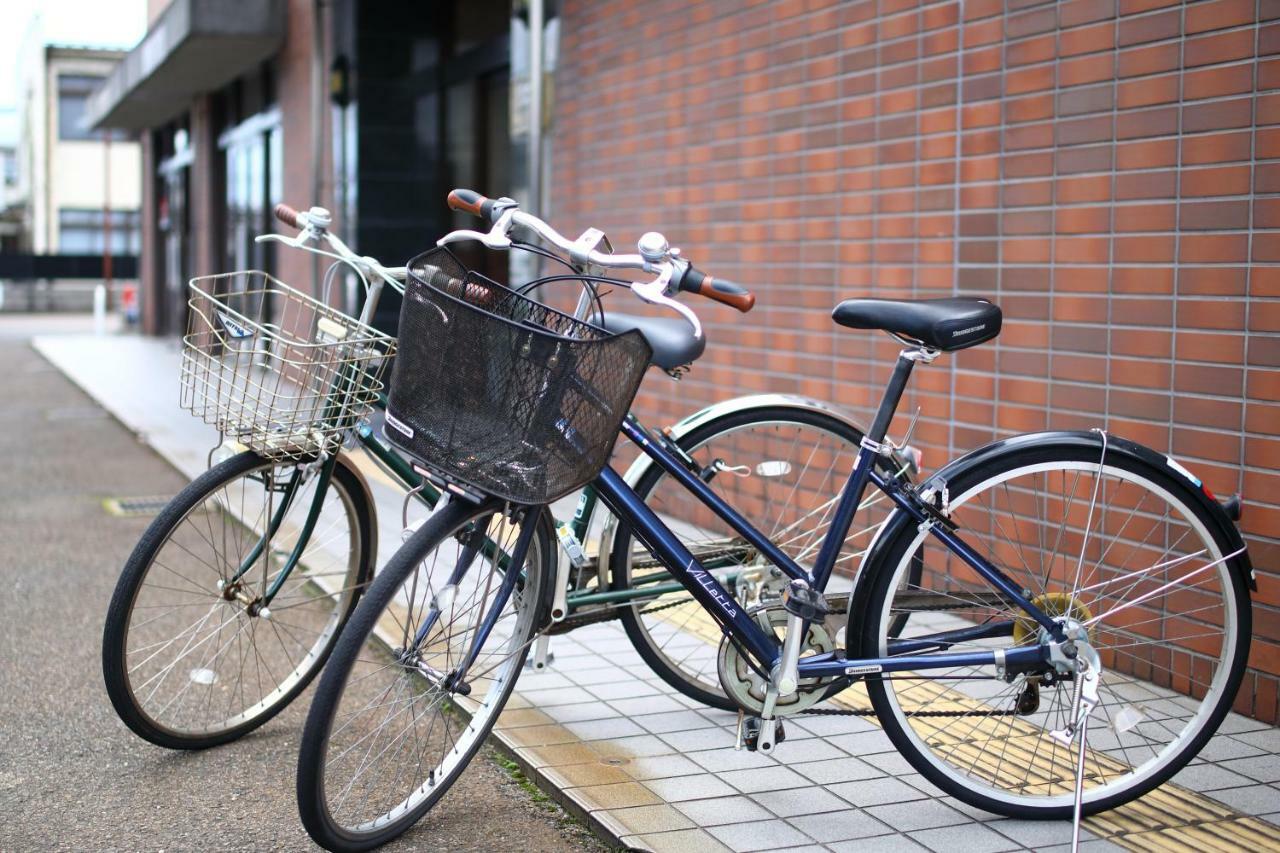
(1104, 170)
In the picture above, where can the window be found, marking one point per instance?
(80, 231)
(73, 102)
(9, 167)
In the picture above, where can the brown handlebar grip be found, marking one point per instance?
(468, 201)
(721, 290)
(287, 215)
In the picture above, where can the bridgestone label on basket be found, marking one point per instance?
(500, 393)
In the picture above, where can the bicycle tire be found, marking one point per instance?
(368, 646)
(1020, 773)
(195, 500)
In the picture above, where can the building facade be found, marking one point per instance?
(77, 190)
(1106, 170)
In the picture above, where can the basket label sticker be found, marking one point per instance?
(399, 426)
(235, 329)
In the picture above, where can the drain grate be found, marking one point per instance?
(134, 507)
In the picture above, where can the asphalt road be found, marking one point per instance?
(71, 775)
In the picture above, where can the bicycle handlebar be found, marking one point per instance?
(673, 272)
(720, 289)
(287, 215)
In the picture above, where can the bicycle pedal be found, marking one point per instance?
(751, 730)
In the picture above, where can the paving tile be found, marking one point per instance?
(679, 841)
(1221, 749)
(700, 739)
(632, 747)
(624, 689)
(558, 754)
(599, 675)
(809, 749)
(1251, 799)
(1100, 845)
(646, 819)
(829, 726)
(800, 801)
(722, 810)
(764, 779)
(863, 743)
(607, 729)
(762, 835)
(1210, 777)
(683, 788)
(548, 679)
(682, 720)
(876, 792)
(593, 710)
(661, 767)
(545, 699)
(619, 795)
(539, 735)
(1237, 723)
(1267, 740)
(520, 717)
(921, 814)
(645, 705)
(584, 775)
(878, 844)
(1264, 768)
(839, 826)
(973, 838)
(1036, 834)
(838, 770)
(723, 759)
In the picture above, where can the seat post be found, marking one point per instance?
(897, 385)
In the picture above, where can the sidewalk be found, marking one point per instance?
(655, 771)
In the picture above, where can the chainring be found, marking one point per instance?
(747, 688)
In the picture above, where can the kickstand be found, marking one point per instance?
(542, 655)
(1075, 818)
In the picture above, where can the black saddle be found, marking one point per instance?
(943, 324)
(671, 340)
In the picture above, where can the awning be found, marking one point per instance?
(195, 46)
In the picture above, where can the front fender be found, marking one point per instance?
(1066, 439)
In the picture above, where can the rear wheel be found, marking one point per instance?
(783, 469)
(397, 715)
(1122, 550)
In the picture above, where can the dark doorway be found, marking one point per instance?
(431, 86)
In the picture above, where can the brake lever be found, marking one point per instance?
(655, 293)
(496, 238)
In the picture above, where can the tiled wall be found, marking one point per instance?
(1104, 169)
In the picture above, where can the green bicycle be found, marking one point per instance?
(235, 595)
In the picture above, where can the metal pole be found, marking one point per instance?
(536, 26)
(106, 213)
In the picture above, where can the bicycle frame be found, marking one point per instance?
(655, 535)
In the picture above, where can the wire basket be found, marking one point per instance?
(500, 393)
(277, 370)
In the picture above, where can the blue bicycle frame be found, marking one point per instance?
(733, 620)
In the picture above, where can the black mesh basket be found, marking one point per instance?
(500, 393)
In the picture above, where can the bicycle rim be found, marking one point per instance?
(1148, 582)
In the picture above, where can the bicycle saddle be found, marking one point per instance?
(671, 340)
(943, 324)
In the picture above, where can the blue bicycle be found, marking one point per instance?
(1053, 624)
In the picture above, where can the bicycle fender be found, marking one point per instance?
(347, 462)
(1056, 438)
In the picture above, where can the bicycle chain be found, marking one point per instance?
(870, 712)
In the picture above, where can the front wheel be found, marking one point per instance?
(1116, 547)
(406, 700)
(192, 654)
